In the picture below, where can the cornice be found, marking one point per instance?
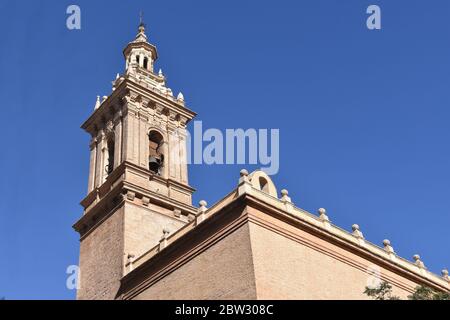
(261, 206)
(159, 99)
(137, 45)
(128, 95)
(97, 202)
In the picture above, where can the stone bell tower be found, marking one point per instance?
(138, 186)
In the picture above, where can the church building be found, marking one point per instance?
(141, 237)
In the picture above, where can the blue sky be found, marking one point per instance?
(363, 115)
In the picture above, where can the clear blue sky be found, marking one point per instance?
(363, 115)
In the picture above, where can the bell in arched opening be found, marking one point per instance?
(156, 156)
(110, 161)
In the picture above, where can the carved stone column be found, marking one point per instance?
(183, 150)
(130, 145)
(173, 154)
(118, 140)
(92, 164)
(143, 134)
(141, 60)
(99, 168)
(166, 168)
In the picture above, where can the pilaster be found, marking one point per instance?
(92, 164)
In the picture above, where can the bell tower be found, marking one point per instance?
(138, 186)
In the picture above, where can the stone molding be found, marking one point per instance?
(116, 189)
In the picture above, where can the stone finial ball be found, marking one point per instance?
(355, 227)
(203, 203)
(284, 192)
(416, 257)
(322, 211)
(386, 242)
(444, 272)
(244, 173)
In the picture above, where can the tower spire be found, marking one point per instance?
(141, 36)
(141, 25)
(141, 18)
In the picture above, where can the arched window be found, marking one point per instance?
(110, 163)
(263, 184)
(145, 63)
(138, 58)
(156, 156)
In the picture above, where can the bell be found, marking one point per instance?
(108, 168)
(154, 164)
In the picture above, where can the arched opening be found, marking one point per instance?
(261, 181)
(146, 63)
(263, 185)
(156, 156)
(110, 163)
(138, 59)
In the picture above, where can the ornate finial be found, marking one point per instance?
(323, 214)
(160, 73)
(285, 196)
(142, 29)
(244, 181)
(141, 36)
(141, 22)
(97, 103)
(418, 262)
(130, 261)
(201, 210)
(445, 274)
(166, 232)
(356, 232)
(387, 246)
(163, 241)
(180, 97)
(244, 173)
